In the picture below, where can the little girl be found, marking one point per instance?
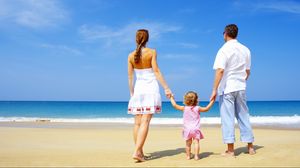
(191, 121)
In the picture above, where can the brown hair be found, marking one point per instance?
(142, 37)
(191, 98)
(231, 30)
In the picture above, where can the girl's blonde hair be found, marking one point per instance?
(191, 98)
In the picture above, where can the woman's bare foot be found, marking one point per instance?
(149, 157)
(188, 157)
(138, 158)
(196, 157)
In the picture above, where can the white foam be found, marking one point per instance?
(272, 121)
(278, 121)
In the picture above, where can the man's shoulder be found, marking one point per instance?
(243, 46)
(223, 47)
(229, 47)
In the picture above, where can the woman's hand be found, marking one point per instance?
(131, 93)
(168, 93)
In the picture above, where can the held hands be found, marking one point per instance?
(171, 96)
(213, 95)
(168, 93)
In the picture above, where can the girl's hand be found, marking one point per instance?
(213, 100)
(168, 93)
(172, 97)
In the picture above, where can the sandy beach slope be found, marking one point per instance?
(60, 144)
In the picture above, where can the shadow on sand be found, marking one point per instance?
(241, 150)
(172, 152)
(205, 154)
(165, 153)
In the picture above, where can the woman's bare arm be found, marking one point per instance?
(130, 76)
(159, 75)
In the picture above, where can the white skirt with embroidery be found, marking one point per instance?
(146, 98)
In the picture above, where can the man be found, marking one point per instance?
(232, 65)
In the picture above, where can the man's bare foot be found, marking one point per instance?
(138, 158)
(188, 157)
(251, 151)
(228, 154)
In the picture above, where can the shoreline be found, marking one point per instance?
(97, 125)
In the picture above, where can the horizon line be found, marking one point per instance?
(116, 101)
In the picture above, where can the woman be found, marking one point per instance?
(145, 97)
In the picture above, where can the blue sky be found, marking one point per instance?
(77, 50)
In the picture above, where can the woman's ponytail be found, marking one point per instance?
(142, 37)
(137, 55)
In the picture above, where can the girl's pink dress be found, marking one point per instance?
(191, 123)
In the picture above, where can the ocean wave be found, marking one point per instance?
(272, 121)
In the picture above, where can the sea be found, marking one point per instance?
(280, 114)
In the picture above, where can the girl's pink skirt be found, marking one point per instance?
(195, 134)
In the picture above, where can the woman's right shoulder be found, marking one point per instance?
(131, 55)
(151, 50)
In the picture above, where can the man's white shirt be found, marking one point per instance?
(234, 58)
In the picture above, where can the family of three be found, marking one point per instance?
(232, 69)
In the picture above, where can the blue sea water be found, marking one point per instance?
(262, 112)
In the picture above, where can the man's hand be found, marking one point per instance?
(218, 77)
(213, 95)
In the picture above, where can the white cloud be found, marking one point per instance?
(192, 57)
(283, 6)
(271, 5)
(33, 13)
(62, 48)
(96, 32)
(188, 45)
(125, 34)
(182, 73)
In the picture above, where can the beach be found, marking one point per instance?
(111, 145)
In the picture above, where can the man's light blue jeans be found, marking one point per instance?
(233, 105)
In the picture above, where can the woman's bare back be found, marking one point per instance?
(145, 60)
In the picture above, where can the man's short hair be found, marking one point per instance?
(231, 30)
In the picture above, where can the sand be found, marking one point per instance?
(77, 144)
